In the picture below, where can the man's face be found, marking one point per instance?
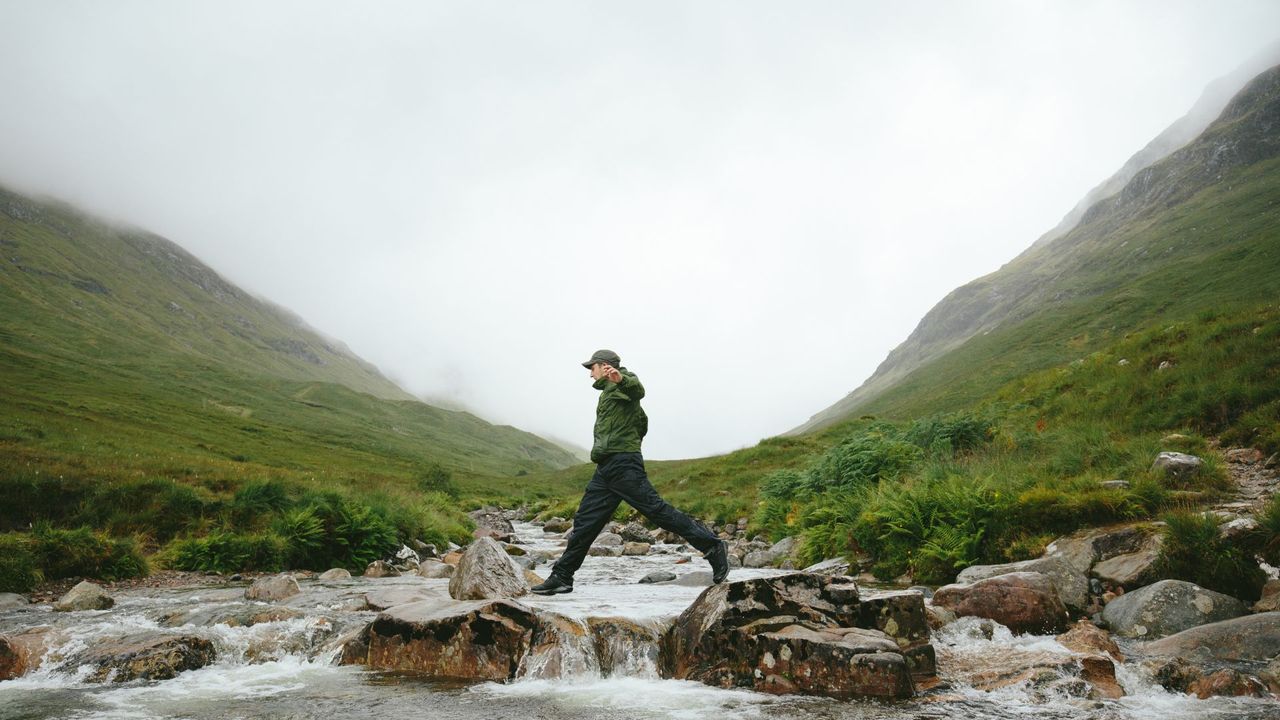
(597, 371)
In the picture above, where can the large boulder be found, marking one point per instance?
(334, 574)
(12, 601)
(1133, 569)
(274, 587)
(1071, 583)
(1168, 607)
(145, 656)
(608, 539)
(84, 596)
(494, 521)
(480, 640)
(1084, 548)
(435, 569)
(1248, 639)
(1024, 602)
(22, 652)
(785, 634)
(485, 571)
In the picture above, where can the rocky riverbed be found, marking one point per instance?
(204, 650)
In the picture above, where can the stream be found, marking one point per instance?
(286, 668)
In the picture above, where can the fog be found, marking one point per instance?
(751, 202)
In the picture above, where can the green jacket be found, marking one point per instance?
(620, 421)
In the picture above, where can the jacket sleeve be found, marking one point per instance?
(631, 387)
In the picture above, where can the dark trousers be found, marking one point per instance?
(620, 478)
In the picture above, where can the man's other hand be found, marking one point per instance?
(611, 374)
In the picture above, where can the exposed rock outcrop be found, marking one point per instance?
(1022, 601)
(146, 657)
(787, 634)
(1166, 608)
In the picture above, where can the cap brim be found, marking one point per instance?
(589, 363)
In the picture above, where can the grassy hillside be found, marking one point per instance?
(126, 362)
(1197, 230)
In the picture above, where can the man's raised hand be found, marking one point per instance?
(611, 374)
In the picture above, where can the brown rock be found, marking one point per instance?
(559, 647)
(480, 640)
(435, 569)
(1227, 682)
(21, 653)
(453, 558)
(146, 657)
(1270, 600)
(380, 569)
(485, 572)
(635, 548)
(1023, 602)
(786, 634)
(1248, 456)
(1100, 672)
(1087, 638)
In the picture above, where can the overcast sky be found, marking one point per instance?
(751, 202)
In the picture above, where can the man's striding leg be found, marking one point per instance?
(594, 512)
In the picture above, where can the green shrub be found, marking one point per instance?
(1194, 551)
(257, 501)
(953, 433)
(436, 479)
(227, 552)
(19, 572)
(84, 553)
(862, 459)
(302, 532)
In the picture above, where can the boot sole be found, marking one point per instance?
(557, 591)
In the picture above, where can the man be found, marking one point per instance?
(620, 426)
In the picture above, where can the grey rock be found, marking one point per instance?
(145, 656)
(759, 559)
(1270, 600)
(697, 578)
(425, 550)
(1085, 548)
(1114, 484)
(335, 574)
(1248, 639)
(1177, 465)
(832, 566)
(1168, 607)
(492, 519)
(658, 576)
(1072, 585)
(380, 569)
(271, 588)
(557, 525)
(1237, 529)
(12, 601)
(605, 551)
(635, 532)
(435, 569)
(608, 539)
(1133, 569)
(486, 572)
(924, 590)
(84, 596)
(785, 547)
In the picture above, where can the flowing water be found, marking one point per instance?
(286, 668)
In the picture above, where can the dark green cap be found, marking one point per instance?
(607, 357)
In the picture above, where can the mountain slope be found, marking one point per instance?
(1197, 230)
(118, 349)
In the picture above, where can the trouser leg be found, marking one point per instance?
(594, 511)
(629, 480)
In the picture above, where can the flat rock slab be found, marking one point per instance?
(1166, 608)
(1072, 584)
(1247, 639)
(474, 640)
(146, 657)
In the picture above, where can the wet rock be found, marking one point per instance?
(380, 569)
(608, 540)
(1177, 466)
(559, 648)
(514, 550)
(1168, 607)
(833, 566)
(635, 532)
(1086, 638)
(478, 640)
(237, 615)
(760, 559)
(924, 590)
(1100, 672)
(786, 634)
(272, 588)
(625, 647)
(84, 596)
(697, 578)
(1270, 600)
(557, 525)
(145, 657)
(605, 551)
(1133, 569)
(435, 569)
(1227, 683)
(1072, 584)
(658, 576)
(12, 601)
(938, 617)
(1248, 639)
(1024, 602)
(901, 615)
(486, 571)
(335, 574)
(635, 548)
(21, 653)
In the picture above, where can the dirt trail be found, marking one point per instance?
(1257, 478)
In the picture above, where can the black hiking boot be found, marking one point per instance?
(552, 586)
(719, 559)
